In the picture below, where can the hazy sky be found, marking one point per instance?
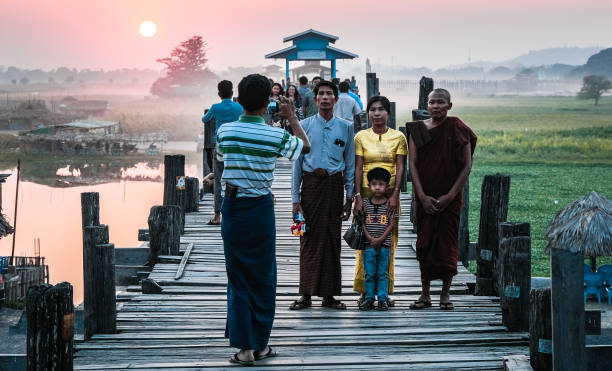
(104, 34)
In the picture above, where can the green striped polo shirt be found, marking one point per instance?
(249, 148)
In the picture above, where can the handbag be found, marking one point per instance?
(355, 236)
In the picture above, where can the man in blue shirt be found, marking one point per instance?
(320, 179)
(309, 108)
(223, 112)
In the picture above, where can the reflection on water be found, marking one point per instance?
(53, 213)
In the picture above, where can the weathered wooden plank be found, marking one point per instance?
(185, 257)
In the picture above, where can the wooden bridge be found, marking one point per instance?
(183, 327)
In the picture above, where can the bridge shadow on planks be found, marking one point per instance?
(183, 327)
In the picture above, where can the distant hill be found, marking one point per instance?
(573, 56)
(598, 64)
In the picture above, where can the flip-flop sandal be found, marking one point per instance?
(269, 354)
(420, 304)
(447, 306)
(210, 222)
(333, 304)
(238, 361)
(300, 304)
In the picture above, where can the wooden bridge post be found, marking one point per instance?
(372, 89)
(540, 329)
(164, 232)
(392, 120)
(514, 262)
(426, 86)
(50, 331)
(174, 184)
(493, 209)
(192, 194)
(99, 301)
(464, 226)
(90, 208)
(567, 288)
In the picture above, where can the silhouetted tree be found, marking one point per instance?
(593, 86)
(186, 66)
(24, 80)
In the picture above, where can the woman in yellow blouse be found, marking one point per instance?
(378, 146)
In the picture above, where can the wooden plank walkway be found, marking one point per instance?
(183, 327)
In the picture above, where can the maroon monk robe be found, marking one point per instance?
(439, 163)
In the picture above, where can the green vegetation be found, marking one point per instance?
(12, 304)
(553, 148)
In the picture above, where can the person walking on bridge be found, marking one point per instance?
(318, 184)
(222, 112)
(249, 148)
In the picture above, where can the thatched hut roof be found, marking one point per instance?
(5, 227)
(583, 226)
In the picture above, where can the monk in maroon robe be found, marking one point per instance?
(440, 153)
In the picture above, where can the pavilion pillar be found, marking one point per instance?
(286, 69)
(333, 68)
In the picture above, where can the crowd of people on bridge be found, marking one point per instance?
(335, 173)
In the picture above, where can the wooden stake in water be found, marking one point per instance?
(15, 215)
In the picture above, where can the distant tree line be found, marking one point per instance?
(64, 75)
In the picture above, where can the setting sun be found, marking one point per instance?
(148, 28)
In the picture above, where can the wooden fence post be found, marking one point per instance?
(540, 329)
(94, 277)
(514, 262)
(493, 209)
(567, 288)
(192, 194)
(174, 184)
(164, 232)
(50, 331)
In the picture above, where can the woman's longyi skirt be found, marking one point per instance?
(249, 240)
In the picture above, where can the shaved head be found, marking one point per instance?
(442, 92)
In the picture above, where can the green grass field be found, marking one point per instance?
(555, 149)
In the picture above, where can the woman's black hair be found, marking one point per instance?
(281, 91)
(383, 100)
(297, 98)
(254, 92)
(328, 84)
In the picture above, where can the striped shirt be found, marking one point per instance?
(249, 148)
(376, 220)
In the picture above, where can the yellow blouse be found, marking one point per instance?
(379, 151)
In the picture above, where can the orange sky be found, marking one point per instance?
(104, 34)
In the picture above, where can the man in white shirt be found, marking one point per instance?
(346, 107)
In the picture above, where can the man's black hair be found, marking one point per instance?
(328, 84)
(316, 78)
(344, 87)
(254, 92)
(303, 80)
(383, 100)
(225, 88)
(335, 80)
(378, 173)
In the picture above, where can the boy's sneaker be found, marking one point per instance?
(366, 305)
(382, 305)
